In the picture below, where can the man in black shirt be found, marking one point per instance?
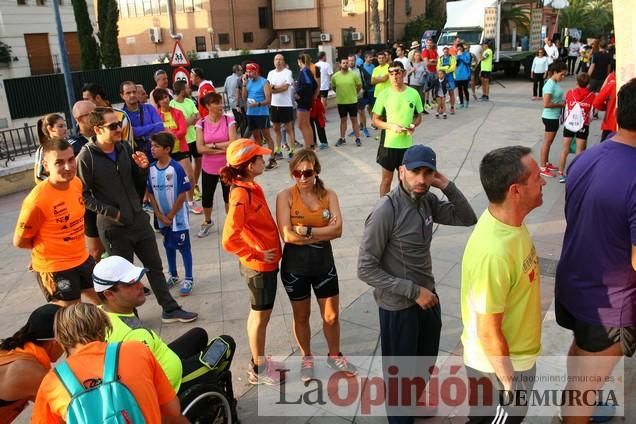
(599, 68)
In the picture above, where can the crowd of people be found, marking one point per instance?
(86, 220)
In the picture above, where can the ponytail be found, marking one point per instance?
(43, 124)
(19, 339)
(320, 188)
(230, 173)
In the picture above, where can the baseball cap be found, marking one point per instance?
(115, 270)
(418, 156)
(242, 150)
(82, 107)
(40, 323)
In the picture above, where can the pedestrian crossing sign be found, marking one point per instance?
(178, 57)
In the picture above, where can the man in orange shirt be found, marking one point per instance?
(51, 224)
(81, 330)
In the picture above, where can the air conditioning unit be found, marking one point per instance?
(285, 39)
(356, 36)
(155, 35)
(325, 37)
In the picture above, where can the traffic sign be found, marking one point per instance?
(178, 57)
(181, 74)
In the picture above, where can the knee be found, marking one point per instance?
(330, 319)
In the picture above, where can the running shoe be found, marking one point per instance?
(460, 106)
(197, 194)
(307, 368)
(323, 146)
(358, 142)
(186, 287)
(194, 208)
(351, 134)
(365, 131)
(204, 231)
(445, 116)
(285, 146)
(551, 167)
(271, 375)
(374, 127)
(178, 315)
(290, 155)
(271, 165)
(562, 178)
(278, 155)
(544, 171)
(452, 112)
(172, 280)
(437, 116)
(147, 207)
(340, 142)
(340, 363)
(467, 102)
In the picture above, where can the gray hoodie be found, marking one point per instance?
(395, 255)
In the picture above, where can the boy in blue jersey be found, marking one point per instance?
(168, 185)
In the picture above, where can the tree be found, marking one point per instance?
(593, 17)
(5, 53)
(375, 22)
(89, 51)
(414, 28)
(107, 17)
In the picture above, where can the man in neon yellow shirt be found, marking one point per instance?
(347, 83)
(486, 69)
(380, 75)
(500, 292)
(397, 112)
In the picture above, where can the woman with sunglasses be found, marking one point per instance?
(251, 234)
(309, 217)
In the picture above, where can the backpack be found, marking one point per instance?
(575, 120)
(109, 402)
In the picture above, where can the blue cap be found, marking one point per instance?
(418, 156)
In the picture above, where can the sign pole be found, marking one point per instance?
(66, 69)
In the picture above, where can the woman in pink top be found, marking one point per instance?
(214, 133)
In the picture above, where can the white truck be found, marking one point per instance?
(476, 21)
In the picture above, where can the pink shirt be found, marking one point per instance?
(215, 133)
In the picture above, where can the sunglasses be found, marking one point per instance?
(307, 173)
(395, 70)
(112, 126)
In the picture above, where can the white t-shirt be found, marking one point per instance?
(407, 67)
(573, 49)
(276, 79)
(326, 70)
(551, 52)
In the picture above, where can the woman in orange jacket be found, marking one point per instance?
(251, 233)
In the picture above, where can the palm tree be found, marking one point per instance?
(519, 16)
(375, 22)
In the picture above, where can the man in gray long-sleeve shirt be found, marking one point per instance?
(395, 257)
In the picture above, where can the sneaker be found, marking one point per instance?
(340, 363)
(307, 368)
(278, 155)
(452, 112)
(197, 194)
(544, 171)
(475, 96)
(324, 146)
(147, 207)
(562, 178)
(351, 134)
(186, 287)
(204, 231)
(194, 208)
(269, 376)
(437, 116)
(373, 127)
(290, 155)
(366, 132)
(340, 142)
(271, 165)
(285, 147)
(551, 167)
(172, 280)
(427, 106)
(445, 116)
(460, 106)
(467, 102)
(358, 142)
(178, 315)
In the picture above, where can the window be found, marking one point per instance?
(181, 6)
(263, 17)
(248, 37)
(347, 39)
(40, 2)
(300, 39)
(314, 39)
(224, 38)
(200, 42)
(21, 2)
(139, 8)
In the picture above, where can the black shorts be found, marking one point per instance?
(179, 156)
(485, 74)
(281, 114)
(324, 93)
(582, 134)
(298, 287)
(595, 338)
(262, 287)
(364, 101)
(388, 158)
(350, 109)
(551, 125)
(194, 152)
(67, 284)
(257, 122)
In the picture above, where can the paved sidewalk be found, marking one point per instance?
(221, 298)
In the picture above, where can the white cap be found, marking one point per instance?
(115, 270)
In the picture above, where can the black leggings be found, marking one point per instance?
(462, 89)
(322, 135)
(537, 84)
(208, 188)
(571, 64)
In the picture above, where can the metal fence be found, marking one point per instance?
(17, 142)
(38, 95)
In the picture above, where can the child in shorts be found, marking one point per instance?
(168, 186)
(440, 88)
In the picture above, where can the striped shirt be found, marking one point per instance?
(166, 185)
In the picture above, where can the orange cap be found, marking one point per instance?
(242, 150)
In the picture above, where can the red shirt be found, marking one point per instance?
(430, 54)
(606, 100)
(582, 96)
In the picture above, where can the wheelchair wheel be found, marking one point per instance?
(206, 404)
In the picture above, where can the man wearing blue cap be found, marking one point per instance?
(395, 258)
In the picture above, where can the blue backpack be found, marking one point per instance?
(110, 402)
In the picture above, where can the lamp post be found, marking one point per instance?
(66, 69)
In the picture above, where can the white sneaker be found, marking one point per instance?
(204, 231)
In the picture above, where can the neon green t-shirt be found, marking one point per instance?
(500, 274)
(400, 108)
(188, 108)
(486, 62)
(127, 327)
(346, 87)
(380, 71)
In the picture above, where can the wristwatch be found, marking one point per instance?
(214, 145)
